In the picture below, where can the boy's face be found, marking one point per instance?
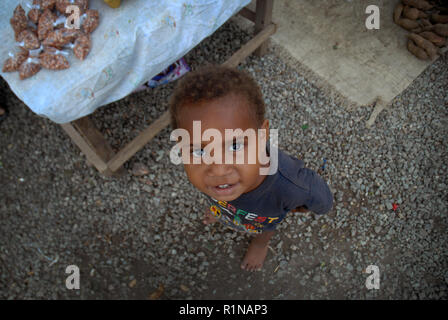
(229, 112)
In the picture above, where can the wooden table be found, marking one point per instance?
(93, 143)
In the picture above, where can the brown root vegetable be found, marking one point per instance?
(18, 21)
(439, 18)
(82, 46)
(408, 24)
(417, 51)
(91, 21)
(440, 29)
(29, 68)
(29, 39)
(52, 61)
(434, 38)
(425, 23)
(397, 12)
(15, 60)
(427, 45)
(45, 25)
(419, 4)
(413, 13)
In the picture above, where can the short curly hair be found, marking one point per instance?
(213, 82)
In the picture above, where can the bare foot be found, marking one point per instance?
(208, 218)
(255, 255)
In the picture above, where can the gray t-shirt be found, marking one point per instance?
(263, 208)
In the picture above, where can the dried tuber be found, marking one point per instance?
(440, 29)
(397, 12)
(427, 45)
(419, 4)
(413, 13)
(408, 24)
(417, 51)
(438, 18)
(434, 38)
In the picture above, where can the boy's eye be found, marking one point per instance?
(198, 152)
(236, 146)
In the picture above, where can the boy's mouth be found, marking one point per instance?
(224, 189)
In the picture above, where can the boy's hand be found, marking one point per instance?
(208, 218)
(300, 209)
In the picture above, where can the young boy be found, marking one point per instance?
(239, 196)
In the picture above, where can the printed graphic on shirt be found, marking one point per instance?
(239, 219)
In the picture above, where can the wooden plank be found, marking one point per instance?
(94, 137)
(89, 151)
(263, 17)
(139, 142)
(250, 46)
(97, 141)
(248, 14)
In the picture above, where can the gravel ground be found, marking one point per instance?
(132, 235)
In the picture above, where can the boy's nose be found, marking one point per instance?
(219, 170)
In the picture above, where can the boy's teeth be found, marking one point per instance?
(222, 186)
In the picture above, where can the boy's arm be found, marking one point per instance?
(301, 209)
(319, 198)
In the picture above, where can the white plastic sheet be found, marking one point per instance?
(131, 45)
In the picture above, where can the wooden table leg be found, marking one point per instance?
(93, 144)
(263, 18)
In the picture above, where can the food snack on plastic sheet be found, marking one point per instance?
(46, 4)
(34, 15)
(15, 60)
(61, 37)
(18, 21)
(53, 59)
(46, 24)
(82, 46)
(29, 68)
(91, 20)
(61, 5)
(29, 39)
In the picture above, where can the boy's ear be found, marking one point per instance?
(265, 126)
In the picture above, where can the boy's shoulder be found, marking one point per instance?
(293, 171)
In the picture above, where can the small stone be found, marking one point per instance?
(184, 288)
(132, 283)
(139, 169)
